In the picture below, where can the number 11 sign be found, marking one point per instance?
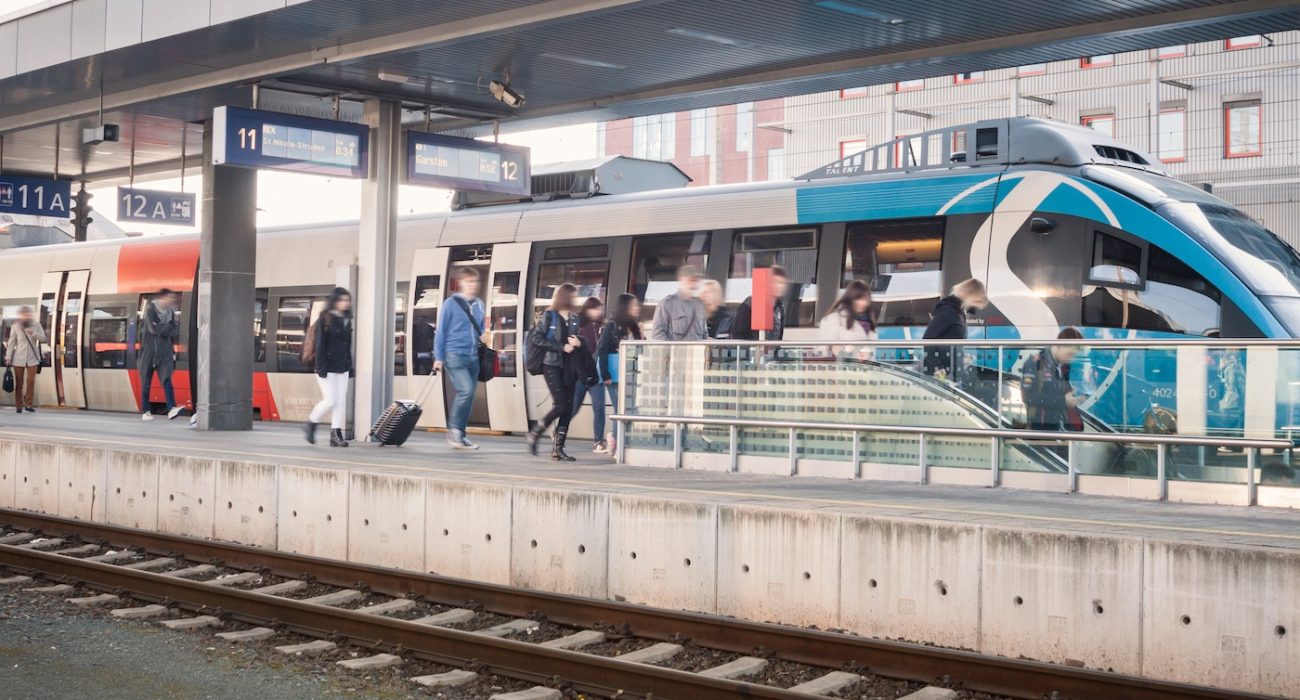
(275, 141)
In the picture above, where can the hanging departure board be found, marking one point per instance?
(467, 164)
(274, 141)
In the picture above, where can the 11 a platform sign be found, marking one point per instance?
(155, 206)
(35, 196)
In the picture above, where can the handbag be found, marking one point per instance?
(489, 361)
(9, 380)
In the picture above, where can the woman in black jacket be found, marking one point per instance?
(624, 324)
(331, 359)
(556, 335)
(948, 322)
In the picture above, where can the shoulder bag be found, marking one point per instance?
(489, 361)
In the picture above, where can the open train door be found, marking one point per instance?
(428, 289)
(507, 278)
(63, 298)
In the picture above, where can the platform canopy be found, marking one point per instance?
(157, 67)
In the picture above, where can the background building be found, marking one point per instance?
(1220, 113)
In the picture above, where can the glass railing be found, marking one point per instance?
(1209, 411)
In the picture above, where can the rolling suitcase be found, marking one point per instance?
(396, 423)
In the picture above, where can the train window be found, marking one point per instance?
(71, 329)
(795, 250)
(655, 260)
(107, 336)
(900, 260)
(591, 277)
(424, 322)
(46, 313)
(1116, 262)
(259, 326)
(1175, 299)
(8, 317)
(399, 330)
(504, 320)
(293, 318)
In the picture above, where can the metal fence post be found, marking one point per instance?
(925, 466)
(620, 447)
(995, 453)
(678, 429)
(857, 455)
(794, 453)
(1252, 488)
(1072, 466)
(734, 447)
(1162, 479)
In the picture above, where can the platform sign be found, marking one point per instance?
(35, 196)
(275, 141)
(155, 206)
(467, 164)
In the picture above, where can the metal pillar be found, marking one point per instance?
(377, 265)
(227, 261)
(1153, 138)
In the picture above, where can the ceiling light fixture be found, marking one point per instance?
(393, 77)
(711, 38)
(852, 8)
(580, 61)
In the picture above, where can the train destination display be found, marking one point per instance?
(467, 164)
(275, 141)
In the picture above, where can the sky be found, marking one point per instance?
(291, 198)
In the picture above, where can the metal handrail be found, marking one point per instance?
(978, 343)
(1002, 433)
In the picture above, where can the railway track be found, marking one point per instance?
(407, 614)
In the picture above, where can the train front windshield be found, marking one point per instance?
(1269, 266)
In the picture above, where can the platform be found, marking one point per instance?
(1194, 593)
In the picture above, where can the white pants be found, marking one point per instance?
(334, 389)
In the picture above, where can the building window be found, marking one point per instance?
(1177, 51)
(704, 124)
(969, 77)
(744, 125)
(847, 93)
(654, 136)
(1032, 69)
(776, 164)
(909, 85)
(907, 151)
(1173, 135)
(1249, 41)
(850, 146)
(1099, 61)
(1242, 128)
(1105, 123)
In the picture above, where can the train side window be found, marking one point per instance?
(259, 326)
(655, 260)
(293, 318)
(1174, 299)
(424, 322)
(107, 336)
(795, 250)
(399, 330)
(1116, 262)
(46, 314)
(901, 260)
(591, 277)
(504, 319)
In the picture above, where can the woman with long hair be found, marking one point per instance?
(624, 324)
(556, 335)
(851, 319)
(591, 320)
(330, 356)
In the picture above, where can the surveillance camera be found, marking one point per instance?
(99, 134)
(506, 94)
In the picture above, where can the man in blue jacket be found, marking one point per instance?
(455, 349)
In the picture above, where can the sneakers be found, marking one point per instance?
(146, 416)
(456, 440)
(176, 411)
(601, 448)
(465, 444)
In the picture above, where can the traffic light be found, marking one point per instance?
(81, 213)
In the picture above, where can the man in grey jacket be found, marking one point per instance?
(160, 329)
(681, 316)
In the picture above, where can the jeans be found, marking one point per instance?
(146, 382)
(561, 400)
(462, 370)
(334, 400)
(597, 394)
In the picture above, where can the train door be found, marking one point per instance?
(507, 409)
(63, 296)
(428, 273)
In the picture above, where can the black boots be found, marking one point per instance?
(534, 435)
(336, 438)
(309, 432)
(557, 447)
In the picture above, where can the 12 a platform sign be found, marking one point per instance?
(276, 141)
(35, 196)
(467, 164)
(155, 206)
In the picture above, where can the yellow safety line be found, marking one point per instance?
(279, 459)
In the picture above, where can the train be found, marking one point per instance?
(1066, 226)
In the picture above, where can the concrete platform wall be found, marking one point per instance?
(1219, 615)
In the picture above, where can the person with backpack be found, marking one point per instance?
(553, 340)
(455, 349)
(1051, 402)
(948, 322)
(591, 321)
(23, 358)
(624, 324)
(159, 331)
(329, 354)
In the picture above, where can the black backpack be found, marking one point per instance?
(534, 351)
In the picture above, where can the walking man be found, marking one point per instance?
(159, 331)
(455, 349)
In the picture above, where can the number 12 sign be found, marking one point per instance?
(274, 141)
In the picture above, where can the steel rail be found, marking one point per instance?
(996, 675)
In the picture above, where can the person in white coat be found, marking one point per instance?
(850, 320)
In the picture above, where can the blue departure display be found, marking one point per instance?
(275, 141)
(467, 164)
